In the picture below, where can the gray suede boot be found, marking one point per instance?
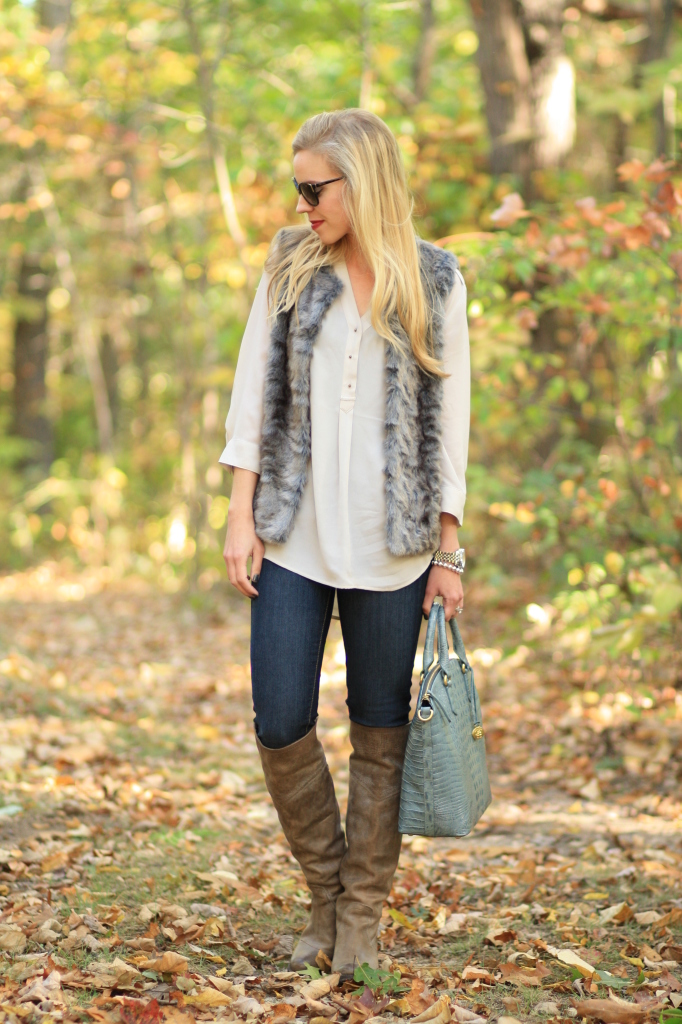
(376, 769)
(302, 790)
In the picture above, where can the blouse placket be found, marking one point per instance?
(349, 380)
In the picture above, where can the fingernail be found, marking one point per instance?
(425, 616)
(255, 578)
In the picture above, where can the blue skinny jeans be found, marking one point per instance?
(289, 624)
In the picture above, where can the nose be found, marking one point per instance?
(302, 206)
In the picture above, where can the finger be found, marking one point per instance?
(428, 602)
(256, 562)
(243, 581)
(231, 570)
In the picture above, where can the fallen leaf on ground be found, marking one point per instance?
(247, 1004)
(464, 1015)
(499, 935)
(619, 914)
(43, 990)
(610, 1012)
(283, 1011)
(321, 1009)
(454, 923)
(174, 1015)
(439, 1013)
(115, 973)
(417, 998)
(477, 974)
(13, 941)
(137, 1011)
(647, 917)
(209, 997)
(169, 963)
(223, 984)
(571, 959)
(316, 989)
(513, 974)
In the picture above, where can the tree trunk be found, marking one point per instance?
(30, 333)
(529, 84)
(109, 360)
(654, 47)
(425, 52)
(505, 74)
(30, 357)
(56, 15)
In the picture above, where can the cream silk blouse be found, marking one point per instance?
(339, 535)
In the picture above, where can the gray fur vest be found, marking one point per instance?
(412, 438)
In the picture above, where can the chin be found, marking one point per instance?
(326, 236)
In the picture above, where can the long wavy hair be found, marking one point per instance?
(359, 146)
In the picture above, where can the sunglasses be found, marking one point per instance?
(310, 190)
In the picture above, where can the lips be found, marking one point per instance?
(315, 224)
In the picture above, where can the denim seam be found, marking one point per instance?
(320, 651)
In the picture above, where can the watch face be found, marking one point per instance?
(460, 558)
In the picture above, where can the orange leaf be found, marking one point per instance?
(477, 974)
(283, 1011)
(658, 170)
(610, 1012)
(169, 963)
(136, 1011)
(513, 974)
(632, 170)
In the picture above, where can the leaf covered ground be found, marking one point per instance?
(144, 878)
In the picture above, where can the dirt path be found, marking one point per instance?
(135, 827)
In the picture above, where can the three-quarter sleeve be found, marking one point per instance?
(244, 422)
(456, 400)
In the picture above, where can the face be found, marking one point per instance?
(328, 218)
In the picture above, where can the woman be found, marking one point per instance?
(347, 435)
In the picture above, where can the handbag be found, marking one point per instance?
(445, 787)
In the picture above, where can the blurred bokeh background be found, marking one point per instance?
(144, 168)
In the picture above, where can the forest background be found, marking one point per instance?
(144, 168)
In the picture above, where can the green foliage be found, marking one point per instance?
(576, 471)
(380, 982)
(109, 170)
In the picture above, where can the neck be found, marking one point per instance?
(355, 258)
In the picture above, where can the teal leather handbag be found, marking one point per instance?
(445, 787)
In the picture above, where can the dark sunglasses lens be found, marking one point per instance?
(309, 194)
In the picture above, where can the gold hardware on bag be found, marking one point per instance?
(463, 667)
(477, 732)
(445, 679)
(428, 717)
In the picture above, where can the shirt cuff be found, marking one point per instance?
(452, 501)
(240, 454)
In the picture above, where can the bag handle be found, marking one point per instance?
(436, 630)
(458, 643)
(468, 671)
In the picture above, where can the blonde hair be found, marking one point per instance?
(363, 149)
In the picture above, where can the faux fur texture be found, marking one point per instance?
(412, 439)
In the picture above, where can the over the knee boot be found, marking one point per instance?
(302, 790)
(376, 768)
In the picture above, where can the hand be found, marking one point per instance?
(446, 584)
(241, 543)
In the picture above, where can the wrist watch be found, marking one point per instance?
(455, 560)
